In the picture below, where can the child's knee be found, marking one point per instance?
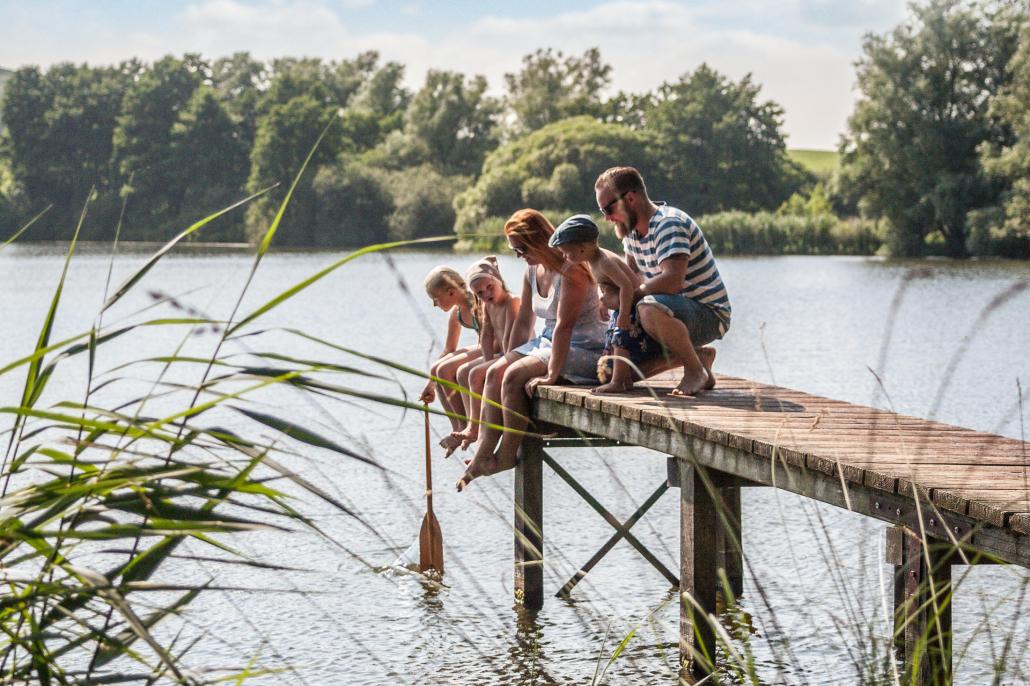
(478, 375)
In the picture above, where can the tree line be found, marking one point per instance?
(936, 156)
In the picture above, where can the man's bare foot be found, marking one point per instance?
(707, 357)
(450, 443)
(691, 384)
(611, 388)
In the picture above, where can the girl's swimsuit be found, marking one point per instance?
(474, 325)
(587, 334)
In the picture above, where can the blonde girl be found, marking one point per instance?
(499, 308)
(448, 291)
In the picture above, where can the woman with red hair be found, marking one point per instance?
(564, 297)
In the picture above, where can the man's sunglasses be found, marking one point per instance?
(607, 209)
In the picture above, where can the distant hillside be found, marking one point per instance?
(819, 162)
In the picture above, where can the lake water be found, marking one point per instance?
(817, 324)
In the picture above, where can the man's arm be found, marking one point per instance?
(674, 272)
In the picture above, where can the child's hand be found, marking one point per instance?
(428, 393)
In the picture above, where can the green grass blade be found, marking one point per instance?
(299, 433)
(48, 322)
(25, 228)
(297, 288)
(127, 285)
(266, 241)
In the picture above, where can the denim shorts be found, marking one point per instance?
(702, 322)
(580, 364)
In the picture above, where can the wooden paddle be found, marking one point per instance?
(430, 540)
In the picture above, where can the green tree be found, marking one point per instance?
(1009, 161)
(284, 137)
(455, 120)
(911, 150)
(143, 137)
(58, 137)
(291, 77)
(551, 87)
(5, 76)
(239, 80)
(719, 145)
(423, 201)
(553, 168)
(377, 105)
(209, 159)
(352, 206)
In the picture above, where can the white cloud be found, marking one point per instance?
(659, 41)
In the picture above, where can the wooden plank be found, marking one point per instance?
(1006, 543)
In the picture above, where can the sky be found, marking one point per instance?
(801, 52)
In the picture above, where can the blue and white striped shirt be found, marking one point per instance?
(670, 232)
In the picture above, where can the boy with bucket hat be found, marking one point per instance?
(576, 238)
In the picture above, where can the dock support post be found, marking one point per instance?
(728, 540)
(922, 605)
(529, 525)
(698, 577)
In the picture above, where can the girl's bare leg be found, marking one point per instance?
(466, 399)
(476, 383)
(489, 414)
(447, 369)
(516, 410)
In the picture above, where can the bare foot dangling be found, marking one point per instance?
(450, 443)
(468, 436)
(475, 467)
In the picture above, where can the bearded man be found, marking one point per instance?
(683, 303)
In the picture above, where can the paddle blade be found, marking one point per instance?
(430, 545)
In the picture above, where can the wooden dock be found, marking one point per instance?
(954, 496)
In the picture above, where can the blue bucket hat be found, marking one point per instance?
(579, 228)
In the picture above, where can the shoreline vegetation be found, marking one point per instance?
(931, 162)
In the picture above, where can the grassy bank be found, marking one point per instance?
(735, 233)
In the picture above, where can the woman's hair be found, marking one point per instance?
(533, 229)
(441, 277)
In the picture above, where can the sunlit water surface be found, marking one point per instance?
(816, 324)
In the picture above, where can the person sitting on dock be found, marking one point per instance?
(617, 287)
(683, 302)
(563, 296)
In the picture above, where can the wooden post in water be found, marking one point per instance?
(729, 542)
(529, 525)
(922, 605)
(698, 577)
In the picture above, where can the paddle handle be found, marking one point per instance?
(429, 466)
